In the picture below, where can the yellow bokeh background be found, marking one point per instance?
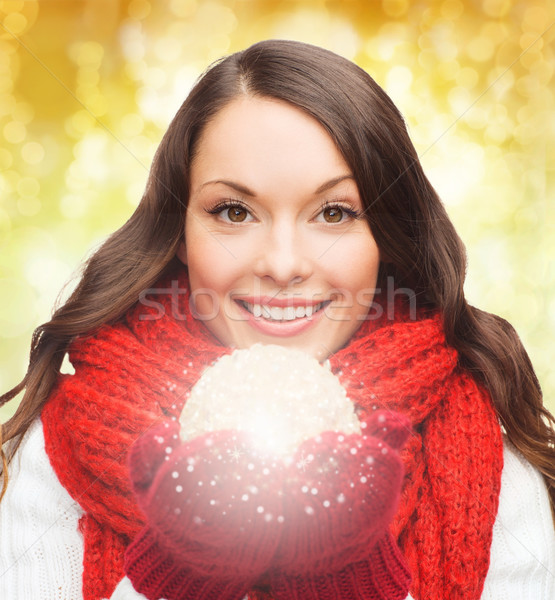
(88, 87)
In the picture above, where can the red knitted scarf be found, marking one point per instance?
(128, 374)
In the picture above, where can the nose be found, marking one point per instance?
(283, 256)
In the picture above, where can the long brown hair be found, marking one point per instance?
(423, 252)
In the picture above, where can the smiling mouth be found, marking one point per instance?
(279, 314)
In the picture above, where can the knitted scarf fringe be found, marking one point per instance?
(130, 374)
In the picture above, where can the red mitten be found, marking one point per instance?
(212, 508)
(342, 492)
(157, 574)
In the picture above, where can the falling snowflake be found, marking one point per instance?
(304, 461)
(235, 454)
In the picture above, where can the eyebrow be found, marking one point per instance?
(328, 185)
(333, 182)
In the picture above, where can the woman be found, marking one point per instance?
(287, 181)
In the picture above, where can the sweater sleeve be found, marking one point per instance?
(41, 548)
(126, 591)
(522, 565)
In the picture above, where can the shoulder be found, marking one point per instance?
(30, 470)
(522, 564)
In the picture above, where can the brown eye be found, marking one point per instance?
(333, 214)
(237, 214)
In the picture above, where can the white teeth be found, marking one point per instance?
(276, 313)
(289, 313)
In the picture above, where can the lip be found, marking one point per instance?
(280, 328)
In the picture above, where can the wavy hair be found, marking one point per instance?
(408, 221)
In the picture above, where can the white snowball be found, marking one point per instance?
(278, 395)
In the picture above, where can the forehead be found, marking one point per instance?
(255, 137)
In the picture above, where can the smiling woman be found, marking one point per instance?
(275, 229)
(286, 206)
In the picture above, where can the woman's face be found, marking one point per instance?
(277, 248)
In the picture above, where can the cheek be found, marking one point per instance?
(205, 270)
(355, 267)
(213, 264)
(208, 281)
(367, 279)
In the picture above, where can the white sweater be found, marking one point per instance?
(41, 548)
